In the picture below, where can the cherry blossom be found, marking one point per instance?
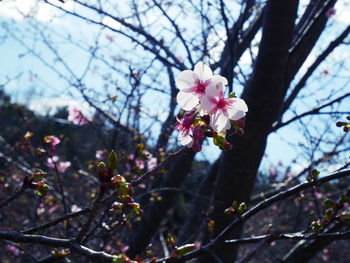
(101, 154)
(185, 128)
(53, 140)
(221, 110)
(76, 116)
(55, 161)
(193, 85)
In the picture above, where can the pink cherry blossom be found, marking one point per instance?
(139, 164)
(221, 110)
(13, 249)
(101, 154)
(151, 163)
(53, 162)
(76, 116)
(185, 128)
(193, 85)
(53, 140)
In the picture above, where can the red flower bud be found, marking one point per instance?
(340, 123)
(196, 146)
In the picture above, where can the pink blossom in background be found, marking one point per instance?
(139, 164)
(61, 166)
(53, 209)
(110, 37)
(75, 208)
(151, 163)
(75, 116)
(124, 248)
(13, 249)
(101, 154)
(331, 12)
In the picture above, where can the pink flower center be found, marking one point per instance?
(222, 104)
(200, 86)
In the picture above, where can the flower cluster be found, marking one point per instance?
(76, 116)
(54, 162)
(208, 112)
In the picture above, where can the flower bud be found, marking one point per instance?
(101, 170)
(41, 188)
(241, 123)
(38, 174)
(112, 162)
(28, 135)
(196, 146)
(197, 133)
(340, 123)
(227, 146)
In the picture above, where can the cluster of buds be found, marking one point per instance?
(35, 181)
(140, 160)
(109, 178)
(345, 125)
(337, 210)
(208, 112)
(236, 209)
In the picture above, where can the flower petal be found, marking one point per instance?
(187, 100)
(236, 115)
(203, 71)
(220, 121)
(185, 139)
(215, 89)
(240, 104)
(207, 105)
(185, 79)
(218, 78)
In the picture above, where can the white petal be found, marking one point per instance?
(207, 105)
(237, 115)
(185, 140)
(185, 79)
(203, 71)
(240, 104)
(187, 100)
(218, 78)
(220, 121)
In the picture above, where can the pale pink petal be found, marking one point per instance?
(185, 79)
(220, 121)
(237, 115)
(218, 78)
(185, 139)
(187, 100)
(203, 71)
(215, 90)
(207, 105)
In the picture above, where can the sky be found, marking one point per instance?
(45, 91)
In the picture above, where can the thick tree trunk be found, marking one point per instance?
(264, 94)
